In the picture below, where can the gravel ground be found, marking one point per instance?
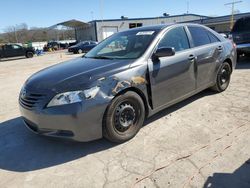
(201, 142)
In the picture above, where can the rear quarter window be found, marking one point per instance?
(212, 37)
(199, 36)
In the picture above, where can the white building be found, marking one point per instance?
(98, 30)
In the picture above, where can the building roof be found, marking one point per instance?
(150, 18)
(220, 19)
(72, 23)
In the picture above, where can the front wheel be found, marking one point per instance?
(124, 117)
(223, 78)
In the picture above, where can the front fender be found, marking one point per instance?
(130, 78)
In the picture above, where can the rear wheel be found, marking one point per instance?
(223, 78)
(124, 117)
(29, 54)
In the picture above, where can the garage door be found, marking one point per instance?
(108, 31)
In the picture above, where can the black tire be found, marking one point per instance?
(124, 117)
(223, 78)
(29, 54)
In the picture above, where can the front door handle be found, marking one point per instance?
(220, 48)
(191, 58)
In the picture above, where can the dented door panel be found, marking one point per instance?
(171, 78)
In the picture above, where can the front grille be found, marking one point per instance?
(29, 100)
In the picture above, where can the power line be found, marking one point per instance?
(101, 9)
(232, 4)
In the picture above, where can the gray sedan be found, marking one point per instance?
(126, 78)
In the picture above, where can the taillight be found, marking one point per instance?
(234, 45)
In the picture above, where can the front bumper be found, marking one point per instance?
(70, 121)
(243, 48)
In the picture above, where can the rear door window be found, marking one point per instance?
(199, 36)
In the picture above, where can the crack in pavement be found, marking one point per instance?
(188, 155)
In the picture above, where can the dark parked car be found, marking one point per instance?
(241, 36)
(82, 47)
(125, 79)
(15, 50)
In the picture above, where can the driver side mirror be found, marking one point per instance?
(164, 52)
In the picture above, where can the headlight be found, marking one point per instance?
(91, 93)
(73, 97)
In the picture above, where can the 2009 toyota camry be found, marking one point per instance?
(125, 79)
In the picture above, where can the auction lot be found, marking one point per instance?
(201, 142)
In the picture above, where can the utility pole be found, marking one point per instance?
(232, 4)
(187, 7)
(101, 15)
(101, 9)
(15, 34)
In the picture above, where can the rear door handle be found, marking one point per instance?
(191, 58)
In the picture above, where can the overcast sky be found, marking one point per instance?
(45, 13)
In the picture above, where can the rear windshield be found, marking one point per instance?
(242, 25)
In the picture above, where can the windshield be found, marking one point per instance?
(124, 45)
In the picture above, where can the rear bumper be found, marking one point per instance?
(73, 123)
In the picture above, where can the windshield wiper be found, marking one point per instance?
(101, 57)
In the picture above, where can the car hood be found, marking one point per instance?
(75, 74)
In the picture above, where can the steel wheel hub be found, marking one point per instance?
(125, 117)
(224, 75)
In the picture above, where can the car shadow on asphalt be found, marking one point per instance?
(23, 151)
(180, 105)
(12, 59)
(239, 178)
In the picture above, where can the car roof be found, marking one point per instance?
(153, 27)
